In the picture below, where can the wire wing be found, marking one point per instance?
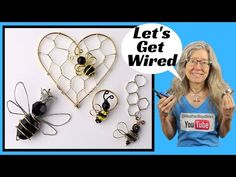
(121, 131)
(91, 60)
(20, 105)
(95, 110)
(49, 122)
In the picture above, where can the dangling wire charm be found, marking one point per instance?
(30, 123)
(108, 102)
(122, 131)
(136, 104)
(132, 135)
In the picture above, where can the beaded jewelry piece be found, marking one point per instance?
(136, 105)
(109, 102)
(30, 124)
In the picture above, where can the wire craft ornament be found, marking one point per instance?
(37, 120)
(103, 106)
(130, 135)
(136, 104)
(76, 68)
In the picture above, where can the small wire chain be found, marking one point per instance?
(137, 93)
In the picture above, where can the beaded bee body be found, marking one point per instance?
(30, 124)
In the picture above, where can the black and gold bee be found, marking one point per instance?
(130, 135)
(31, 122)
(85, 65)
(101, 111)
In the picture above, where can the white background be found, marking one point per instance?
(22, 64)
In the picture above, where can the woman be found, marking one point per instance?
(200, 106)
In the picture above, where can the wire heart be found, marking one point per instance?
(76, 68)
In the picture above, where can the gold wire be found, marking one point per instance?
(77, 102)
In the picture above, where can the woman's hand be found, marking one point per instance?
(167, 121)
(165, 105)
(227, 111)
(228, 106)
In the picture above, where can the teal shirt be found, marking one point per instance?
(196, 126)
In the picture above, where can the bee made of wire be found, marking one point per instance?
(85, 65)
(35, 121)
(103, 102)
(136, 104)
(123, 131)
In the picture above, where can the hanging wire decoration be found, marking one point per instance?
(130, 135)
(136, 104)
(76, 68)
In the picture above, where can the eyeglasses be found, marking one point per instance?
(203, 63)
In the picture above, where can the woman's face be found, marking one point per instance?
(197, 67)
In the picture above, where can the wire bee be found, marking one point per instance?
(85, 65)
(130, 135)
(30, 124)
(101, 112)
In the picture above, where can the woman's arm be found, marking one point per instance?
(168, 126)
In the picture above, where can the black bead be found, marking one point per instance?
(98, 120)
(21, 135)
(39, 108)
(81, 60)
(135, 128)
(127, 142)
(89, 70)
(106, 105)
(29, 123)
(26, 128)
